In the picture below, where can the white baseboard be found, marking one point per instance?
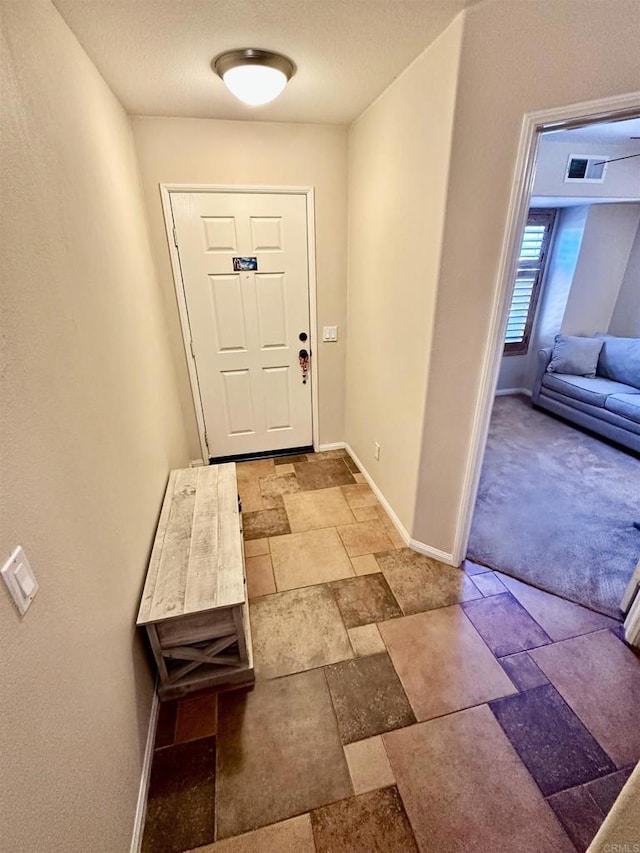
(506, 391)
(420, 547)
(376, 491)
(141, 808)
(336, 445)
(434, 553)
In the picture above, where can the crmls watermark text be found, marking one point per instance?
(622, 848)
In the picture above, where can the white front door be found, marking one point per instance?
(244, 262)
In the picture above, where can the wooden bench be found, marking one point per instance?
(194, 603)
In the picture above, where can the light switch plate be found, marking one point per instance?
(329, 333)
(20, 580)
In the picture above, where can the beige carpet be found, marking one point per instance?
(555, 507)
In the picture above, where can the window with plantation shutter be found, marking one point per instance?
(533, 255)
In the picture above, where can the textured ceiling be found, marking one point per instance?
(156, 54)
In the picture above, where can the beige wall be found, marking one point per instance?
(604, 254)
(232, 152)
(513, 370)
(546, 54)
(398, 160)
(556, 288)
(626, 315)
(90, 425)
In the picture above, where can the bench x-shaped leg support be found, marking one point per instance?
(209, 655)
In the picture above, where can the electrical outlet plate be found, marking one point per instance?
(376, 450)
(20, 580)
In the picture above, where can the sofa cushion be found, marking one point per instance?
(575, 356)
(627, 405)
(589, 416)
(620, 360)
(590, 390)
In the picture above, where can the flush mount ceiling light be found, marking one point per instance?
(254, 76)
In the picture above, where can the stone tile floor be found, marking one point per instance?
(400, 704)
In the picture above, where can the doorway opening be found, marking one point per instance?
(553, 483)
(243, 261)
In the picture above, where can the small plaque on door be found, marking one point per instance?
(245, 264)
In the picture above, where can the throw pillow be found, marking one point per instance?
(574, 355)
(620, 359)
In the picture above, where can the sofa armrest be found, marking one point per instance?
(544, 357)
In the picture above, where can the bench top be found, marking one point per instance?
(196, 561)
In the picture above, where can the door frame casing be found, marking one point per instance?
(558, 118)
(309, 194)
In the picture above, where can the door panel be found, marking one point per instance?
(272, 316)
(238, 402)
(245, 324)
(220, 234)
(266, 233)
(276, 382)
(227, 314)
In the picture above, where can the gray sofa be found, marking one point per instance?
(607, 403)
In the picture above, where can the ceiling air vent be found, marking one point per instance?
(586, 168)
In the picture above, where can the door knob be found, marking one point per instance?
(303, 358)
